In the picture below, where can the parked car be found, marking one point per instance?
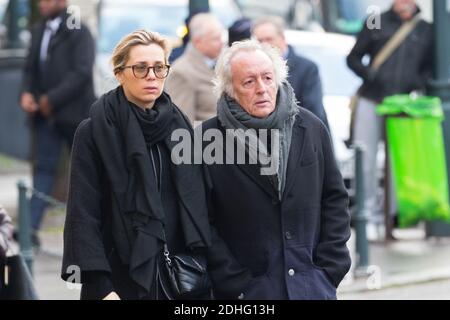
(120, 17)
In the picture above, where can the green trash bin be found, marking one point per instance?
(416, 147)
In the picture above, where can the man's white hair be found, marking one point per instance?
(223, 80)
(202, 23)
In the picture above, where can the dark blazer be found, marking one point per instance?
(305, 79)
(289, 249)
(67, 77)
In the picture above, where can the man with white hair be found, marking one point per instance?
(190, 81)
(278, 234)
(303, 73)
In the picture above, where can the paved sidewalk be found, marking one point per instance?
(48, 283)
(410, 260)
(406, 262)
(9, 193)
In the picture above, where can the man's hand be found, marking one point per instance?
(28, 103)
(112, 296)
(44, 106)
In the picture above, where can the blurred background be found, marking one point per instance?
(389, 261)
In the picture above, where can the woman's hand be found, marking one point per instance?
(112, 296)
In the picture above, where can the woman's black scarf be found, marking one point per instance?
(155, 123)
(122, 134)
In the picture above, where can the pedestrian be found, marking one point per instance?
(127, 198)
(303, 73)
(190, 81)
(402, 69)
(240, 30)
(178, 51)
(282, 233)
(57, 93)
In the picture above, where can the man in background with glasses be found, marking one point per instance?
(57, 92)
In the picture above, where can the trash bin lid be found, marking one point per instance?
(416, 107)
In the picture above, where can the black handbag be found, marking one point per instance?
(16, 280)
(183, 277)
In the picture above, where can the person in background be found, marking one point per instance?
(190, 81)
(407, 69)
(57, 93)
(240, 30)
(178, 51)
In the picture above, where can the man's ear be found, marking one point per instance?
(195, 42)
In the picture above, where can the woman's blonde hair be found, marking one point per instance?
(122, 50)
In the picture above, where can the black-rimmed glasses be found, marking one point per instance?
(141, 71)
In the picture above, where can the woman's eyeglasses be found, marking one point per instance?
(141, 71)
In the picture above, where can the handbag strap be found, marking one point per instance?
(167, 255)
(394, 42)
(163, 287)
(158, 176)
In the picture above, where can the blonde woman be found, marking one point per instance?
(126, 197)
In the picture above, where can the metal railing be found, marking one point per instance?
(24, 221)
(360, 215)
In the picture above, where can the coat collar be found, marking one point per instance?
(295, 155)
(197, 59)
(253, 171)
(296, 152)
(290, 53)
(60, 34)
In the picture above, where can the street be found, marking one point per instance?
(433, 290)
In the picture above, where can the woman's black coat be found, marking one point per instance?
(96, 236)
